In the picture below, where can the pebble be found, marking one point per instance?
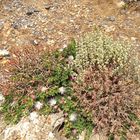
(15, 25)
(47, 6)
(4, 53)
(7, 8)
(1, 24)
(31, 11)
(109, 28)
(111, 18)
(121, 4)
(34, 42)
(133, 39)
(2, 99)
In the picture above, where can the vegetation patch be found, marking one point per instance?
(95, 82)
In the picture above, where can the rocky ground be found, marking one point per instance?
(44, 22)
(55, 22)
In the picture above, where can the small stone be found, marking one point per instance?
(31, 11)
(43, 89)
(123, 11)
(34, 42)
(2, 99)
(50, 42)
(1, 24)
(121, 4)
(47, 6)
(109, 28)
(133, 39)
(111, 18)
(15, 25)
(7, 8)
(4, 53)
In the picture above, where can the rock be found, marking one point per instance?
(15, 25)
(109, 28)
(123, 11)
(1, 24)
(111, 18)
(35, 127)
(48, 6)
(2, 99)
(31, 11)
(51, 135)
(4, 53)
(82, 136)
(22, 22)
(134, 39)
(8, 8)
(34, 42)
(121, 4)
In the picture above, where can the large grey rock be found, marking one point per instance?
(35, 127)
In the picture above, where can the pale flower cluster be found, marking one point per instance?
(62, 90)
(73, 117)
(98, 49)
(52, 102)
(38, 105)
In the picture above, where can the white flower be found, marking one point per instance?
(73, 117)
(34, 116)
(62, 90)
(38, 105)
(2, 99)
(4, 52)
(43, 89)
(70, 58)
(52, 102)
(61, 50)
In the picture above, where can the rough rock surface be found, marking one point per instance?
(45, 22)
(35, 127)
